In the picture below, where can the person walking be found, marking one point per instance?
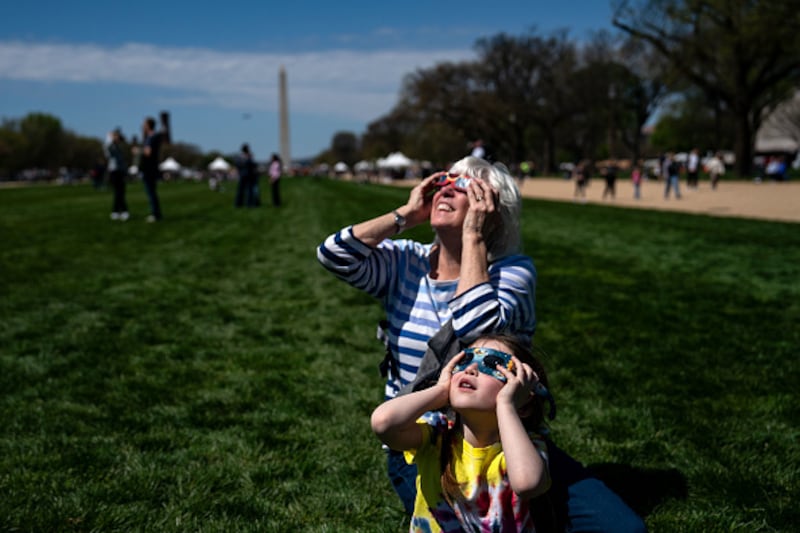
(150, 155)
(275, 172)
(611, 180)
(671, 171)
(692, 168)
(636, 179)
(715, 168)
(117, 170)
(247, 188)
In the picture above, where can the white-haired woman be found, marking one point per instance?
(473, 273)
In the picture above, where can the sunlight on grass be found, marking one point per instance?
(205, 373)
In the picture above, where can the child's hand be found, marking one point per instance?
(447, 372)
(519, 386)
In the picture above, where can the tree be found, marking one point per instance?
(345, 147)
(689, 122)
(744, 54)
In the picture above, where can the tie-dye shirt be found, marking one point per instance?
(489, 503)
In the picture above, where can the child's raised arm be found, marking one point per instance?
(527, 472)
(395, 421)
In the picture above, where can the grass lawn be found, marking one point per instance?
(206, 374)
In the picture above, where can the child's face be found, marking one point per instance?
(474, 388)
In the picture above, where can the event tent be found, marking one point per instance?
(169, 165)
(219, 164)
(395, 160)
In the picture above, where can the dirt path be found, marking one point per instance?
(766, 200)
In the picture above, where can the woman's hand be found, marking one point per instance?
(519, 387)
(482, 198)
(418, 208)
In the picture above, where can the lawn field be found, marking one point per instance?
(206, 374)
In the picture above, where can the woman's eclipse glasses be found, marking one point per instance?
(488, 361)
(459, 182)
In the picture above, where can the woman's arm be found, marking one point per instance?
(416, 211)
(505, 303)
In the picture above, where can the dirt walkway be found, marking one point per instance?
(767, 200)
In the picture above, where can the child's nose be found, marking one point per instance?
(472, 368)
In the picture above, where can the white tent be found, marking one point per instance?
(169, 165)
(395, 160)
(341, 166)
(363, 166)
(219, 164)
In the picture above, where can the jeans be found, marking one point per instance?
(672, 182)
(118, 183)
(582, 503)
(152, 195)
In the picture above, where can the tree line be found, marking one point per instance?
(711, 69)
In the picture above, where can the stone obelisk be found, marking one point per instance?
(284, 121)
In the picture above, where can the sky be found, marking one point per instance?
(214, 65)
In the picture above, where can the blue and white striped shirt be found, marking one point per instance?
(418, 306)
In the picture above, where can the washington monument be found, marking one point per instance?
(284, 120)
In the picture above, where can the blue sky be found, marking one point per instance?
(214, 66)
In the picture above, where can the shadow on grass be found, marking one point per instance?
(643, 489)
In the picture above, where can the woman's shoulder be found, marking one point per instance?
(511, 261)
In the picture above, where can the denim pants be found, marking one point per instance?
(582, 503)
(672, 182)
(152, 195)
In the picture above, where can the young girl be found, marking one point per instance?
(478, 473)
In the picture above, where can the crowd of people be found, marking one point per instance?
(145, 157)
(670, 169)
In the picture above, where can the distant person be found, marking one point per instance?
(692, 168)
(477, 149)
(150, 155)
(98, 173)
(482, 151)
(581, 178)
(481, 473)
(117, 171)
(715, 168)
(275, 172)
(636, 179)
(611, 180)
(247, 193)
(672, 172)
(776, 168)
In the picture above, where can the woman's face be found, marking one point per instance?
(450, 205)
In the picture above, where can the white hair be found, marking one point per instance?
(504, 236)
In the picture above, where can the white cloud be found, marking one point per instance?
(351, 84)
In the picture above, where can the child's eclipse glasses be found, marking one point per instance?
(488, 361)
(457, 181)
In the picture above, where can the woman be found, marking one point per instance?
(473, 273)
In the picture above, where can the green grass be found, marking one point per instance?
(206, 374)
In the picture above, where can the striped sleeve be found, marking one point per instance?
(351, 260)
(505, 303)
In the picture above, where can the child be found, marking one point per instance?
(479, 472)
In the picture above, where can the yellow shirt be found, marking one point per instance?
(488, 503)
